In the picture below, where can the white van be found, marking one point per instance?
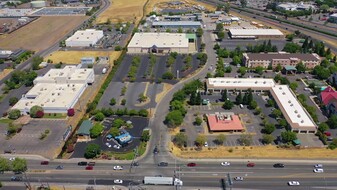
(241, 106)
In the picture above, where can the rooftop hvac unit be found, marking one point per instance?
(302, 121)
(298, 115)
(283, 93)
(296, 111)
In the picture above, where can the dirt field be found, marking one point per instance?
(5, 72)
(256, 152)
(41, 33)
(160, 3)
(123, 11)
(74, 57)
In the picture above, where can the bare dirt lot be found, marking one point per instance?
(123, 11)
(41, 33)
(74, 57)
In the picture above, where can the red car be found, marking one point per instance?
(250, 164)
(191, 164)
(44, 162)
(89, 168)
(327, 133)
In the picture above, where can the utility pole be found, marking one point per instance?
(135, 151)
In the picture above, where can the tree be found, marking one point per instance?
(221, 35)
(114, 131)
(300, 67)
(4, 164)
(219, 27)
(198, 121)
(322, 127)
(288, 136)
(33, 111)
(13, 101)
(252, 104)
(180, 30)
(227, 7)
(332, 122)
(99, 116)
(96, 130)
(220, 139)
(167, 75)
(246, 139)
(243, 3)
(19, 165)
(145, 136)
(14, 114)
(199, 32)
(236, 60)
(239, 99)
(242, 71)
(276, 113)
(36, 61)
(123, 102)
(178, 105)
(112, 102)
(269, 128)
(192, 99)
(142, 97)
(282, 123)
(290, 37)
(324, 8)
(174, 118)
(180, 139)
(224, 95)
(270, 103)
(92, 150)
(259, 70)
(292, 48)
(117, 123)
(200, 140)
(293, 86)
(198, 99)
(267, 138)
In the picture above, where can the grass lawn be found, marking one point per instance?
(74, 57)
(129, 155)
(6, 121)
(55, 116)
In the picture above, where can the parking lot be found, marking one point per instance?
(61, 11)
(139, 124)
(28, 142)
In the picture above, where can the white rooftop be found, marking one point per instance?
(90, 35)
(253, 32)
(333, 15)
(242, 82)
(147, 40)
(50, 96)
(293, 108)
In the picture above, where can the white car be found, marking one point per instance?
(108, 145)
(238, 178)
(318, 166)
(206, 144)
(117, 146)
(225, 164)
(318, 170)
(293, 183)
(118, 167)
(11, 159)
(118, 181)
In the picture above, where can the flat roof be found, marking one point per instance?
(50, 96)
(255, 32)
(288, 101)
(86, 35)
(292, 107)
(240, 83)
(281, 55)
(176, 23)
(224, 122)
(148, 40)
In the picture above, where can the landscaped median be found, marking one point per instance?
(268, 151)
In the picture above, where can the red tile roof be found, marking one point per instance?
(230, 124)
(328, 94)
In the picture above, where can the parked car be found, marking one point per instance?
(238, 178)
(44, 162)
(89, 168)
(108, 145)
(118, 167)
(327, 133)
(191, 164)
(225, 164)
(250, 164)
(163, 164)
(91, 164)
(278, 165)
(82, 163)
(318, 170)
(293, 183)
(118, 181)
(117, 146)
(329, 139)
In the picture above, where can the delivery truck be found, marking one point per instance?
(162, 181)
